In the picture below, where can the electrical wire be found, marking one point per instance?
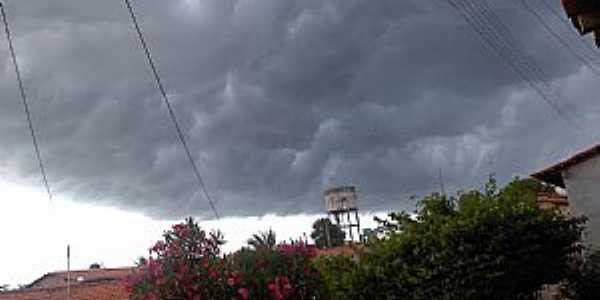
(487, 15)
(172, 114)
(557, 36)
(560, 17)
(538, 79)
(472, 13)
(545, 90)
(25, 102)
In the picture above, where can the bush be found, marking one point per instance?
(492, 245)
(337, 273)
(286, 273)
(187, 265)
(583, 280)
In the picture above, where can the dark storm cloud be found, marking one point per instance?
(279, 100)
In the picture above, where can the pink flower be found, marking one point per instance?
(234, 280)
(243, 292)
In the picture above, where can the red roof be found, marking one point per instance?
(553, 174)
(86, 291)
(59, 279)
(553, 199)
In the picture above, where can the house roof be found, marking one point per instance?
(59, 279)
(346, 250)
(577, 7)
(553, 174)
(108, 290)
(585, 16)
(553, 199)
(94, 284)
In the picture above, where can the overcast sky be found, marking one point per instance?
(280, 100)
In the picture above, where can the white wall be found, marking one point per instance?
(583, 188)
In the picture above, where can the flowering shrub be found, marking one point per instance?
(187, 264)
(285, 273)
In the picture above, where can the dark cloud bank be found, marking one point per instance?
(279, 100)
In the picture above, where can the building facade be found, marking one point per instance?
(579, 176)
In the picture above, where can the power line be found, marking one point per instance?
(511, 43)
(562, 20)
(503, 42)
(172, 115)
(559, 38)
(24, 101)
(497, 42)
(545, 91)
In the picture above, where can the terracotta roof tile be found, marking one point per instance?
(553, 198)
(109, 290)
(59, 279)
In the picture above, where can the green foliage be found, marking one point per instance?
(319, 234)
(396, 222)
(264, 240)
(187, 264)
(95, 266)
(286, 271)
(337, 273)
(583, 280)
(491, 245)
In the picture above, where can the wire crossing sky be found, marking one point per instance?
(275, 101)
(495, 35)
(584, 60)
(172, 115)
(24, 102)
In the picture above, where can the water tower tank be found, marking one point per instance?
(343, 198)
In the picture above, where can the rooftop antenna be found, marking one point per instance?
(441, 178)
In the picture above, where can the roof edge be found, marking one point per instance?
(553, 174)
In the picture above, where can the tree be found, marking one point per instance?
(583, 280)
(263, 240)
(326, 234)
(95, 266)
(495, 244)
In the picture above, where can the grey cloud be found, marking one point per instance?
(279, 100)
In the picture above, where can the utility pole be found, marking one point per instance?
(68, 272)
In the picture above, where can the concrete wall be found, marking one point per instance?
(583, 188)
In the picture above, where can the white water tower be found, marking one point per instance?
(341, 204)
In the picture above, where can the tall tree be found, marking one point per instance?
(326, 234)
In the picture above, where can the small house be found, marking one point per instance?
(579, 176)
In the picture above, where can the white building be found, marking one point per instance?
(580, 176)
